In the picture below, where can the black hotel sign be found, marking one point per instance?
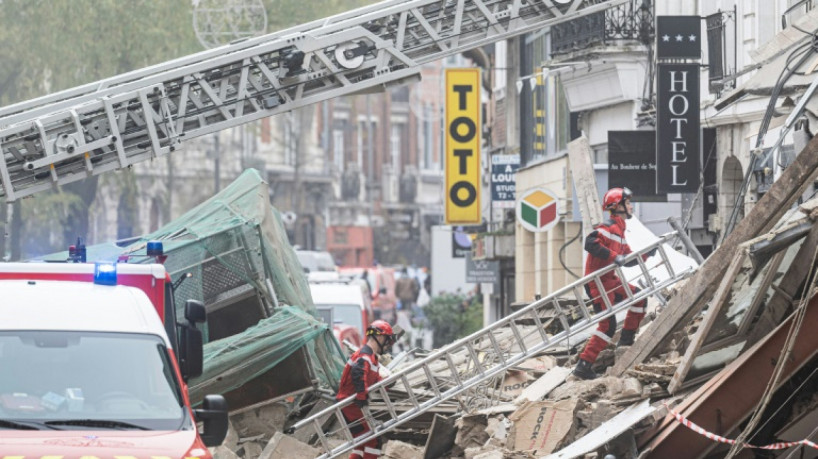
(678, 130)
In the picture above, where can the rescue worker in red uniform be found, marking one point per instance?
(362, 371)
(606, 245)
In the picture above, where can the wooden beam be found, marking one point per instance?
(582, 173)
(701, 286)
(720, 298)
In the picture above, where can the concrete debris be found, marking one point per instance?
(533, 409)
(538, 365)
(231, 441)
(542, 386)
(264, 420)
(250, 449)
(471, 431)
(395, 449)
(222, 452)
(495, 454)
(285, 446)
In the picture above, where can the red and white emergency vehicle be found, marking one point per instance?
(95, 364)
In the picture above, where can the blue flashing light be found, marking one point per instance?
(105, 273)
(155, 249)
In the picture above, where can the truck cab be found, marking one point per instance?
(89, 368)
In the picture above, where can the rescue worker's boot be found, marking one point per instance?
(583, 370)
(626, 338)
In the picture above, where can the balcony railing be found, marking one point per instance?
(632, 21)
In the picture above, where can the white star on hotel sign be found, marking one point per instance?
(677, 37)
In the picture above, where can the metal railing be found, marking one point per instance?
(632, 21)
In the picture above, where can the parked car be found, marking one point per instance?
(319, 266)
(381, 283)
(346, 306)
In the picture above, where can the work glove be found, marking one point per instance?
(619, 260)
(361, 403)
(384, 359)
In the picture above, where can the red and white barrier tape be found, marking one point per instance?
(690, 425)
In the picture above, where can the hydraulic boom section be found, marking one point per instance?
(123, 120)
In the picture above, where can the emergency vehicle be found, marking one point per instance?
(95, 364)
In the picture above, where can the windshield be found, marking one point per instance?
(349, 314)
(74, 380)
(315, 261)
(307, 260)
(324, 261)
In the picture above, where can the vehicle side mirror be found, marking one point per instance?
(192, 352)
(213, 414)
(195, 312)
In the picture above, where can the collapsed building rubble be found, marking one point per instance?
(712, 370)
(711, 366)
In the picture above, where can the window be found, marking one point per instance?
(361, 128)
(428, 137)
(338, 149)
(395, 141)
(289, 141)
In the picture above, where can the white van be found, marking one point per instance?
(346, 304)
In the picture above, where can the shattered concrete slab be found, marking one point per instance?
(606, 432)
(541, 387)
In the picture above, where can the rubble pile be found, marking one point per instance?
(539, 409)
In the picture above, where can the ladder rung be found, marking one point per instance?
(453, 369)
(645, 273)
(666, 261)
(602, 292)
(500, 354)
(344, 425)
(431, 378)
(409, 392)
(538, 323)
(624, 281)
(581, 303)
(474, 357)
(321, 436)
(388, 401)
(518, 336)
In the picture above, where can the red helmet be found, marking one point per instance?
(381, 328)
(614, 197)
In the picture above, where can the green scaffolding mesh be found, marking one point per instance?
(235, 246)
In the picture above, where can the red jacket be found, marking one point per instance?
(360, 372)
(603, 244)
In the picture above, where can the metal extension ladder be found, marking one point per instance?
(471, 365)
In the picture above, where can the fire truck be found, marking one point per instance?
(95, 363)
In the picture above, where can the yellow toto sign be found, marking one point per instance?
(463, 146)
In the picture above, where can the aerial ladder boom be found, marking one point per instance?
(141, 115)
